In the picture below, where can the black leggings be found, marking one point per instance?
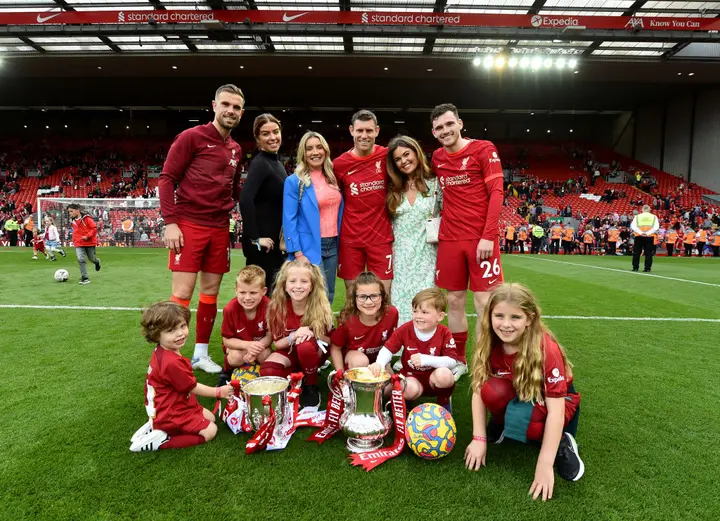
(270, 261)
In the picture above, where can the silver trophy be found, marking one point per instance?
(253, 393)
(363, 420)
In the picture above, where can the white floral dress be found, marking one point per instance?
(413, 258)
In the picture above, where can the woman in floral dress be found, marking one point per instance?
(410, 198)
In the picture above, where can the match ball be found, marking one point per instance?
(62, 275)
(245, 373)
(430, 431)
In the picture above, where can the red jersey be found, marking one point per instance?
(363, 182)
(472, 186)
(84, 226)
(170, 379)
(38, 243)
(555, 375)
(200, 178)
(293, 322)
(353, 335)
(440, 344)
(235, 323)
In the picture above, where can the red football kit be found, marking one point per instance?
(168, 401)
(366, 234)
(472, 184)
(440, 344)
(556, 381)
(198, 187)
(353, 335)
(38, 244)
(236, 324)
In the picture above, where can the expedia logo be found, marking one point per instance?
(121, 16)
(546, 21)
(364, 18)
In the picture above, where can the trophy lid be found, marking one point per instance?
(363, 375)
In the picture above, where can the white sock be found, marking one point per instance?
(201, 351)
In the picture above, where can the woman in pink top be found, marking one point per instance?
(312, 208)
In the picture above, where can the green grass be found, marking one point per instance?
(72, 387)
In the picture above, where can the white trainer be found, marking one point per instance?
(206, 364)
(459, 370)
(142, 431)
(150, 442)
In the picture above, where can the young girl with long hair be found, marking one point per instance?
(365, 323)
(521, 375)
(298, 316)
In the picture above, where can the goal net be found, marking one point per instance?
(120, 222)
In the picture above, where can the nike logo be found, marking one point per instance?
(240, 330)
(358, 337)
(441, 165)
(287, 18)
(491, 282)
(351, 172)
(503, 373)
(41, 18)
(212, 146)
(412, 348)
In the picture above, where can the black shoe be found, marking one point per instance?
(646, 270)
(97, 265)
(53, 259)
(84, 281)
(635, 269)
(310, 396)
(567, 462)
(62, 252)
(495, 432)
(223, 378)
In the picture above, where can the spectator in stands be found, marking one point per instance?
(261, 200)
(312, 209)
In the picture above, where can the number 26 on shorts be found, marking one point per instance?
(491, 269)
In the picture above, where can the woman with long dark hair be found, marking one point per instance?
(413, 194)
(261, 200)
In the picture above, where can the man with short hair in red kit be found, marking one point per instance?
(199, 185)
(471, 178)
(366, 234)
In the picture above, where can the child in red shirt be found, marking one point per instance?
(365, 324)
(176, 419)
(521, 375)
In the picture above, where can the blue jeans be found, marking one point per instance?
(329, 247)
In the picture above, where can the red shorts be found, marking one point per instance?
(204, 249)
(352, 259)
(457, 264)
(291, 355)
(193, 423)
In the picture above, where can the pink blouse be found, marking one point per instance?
(329, 199)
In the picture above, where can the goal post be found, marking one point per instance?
(121, 222)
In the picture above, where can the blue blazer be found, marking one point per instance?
(301, 222)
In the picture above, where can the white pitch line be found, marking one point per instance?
(552, 317)
(627, 272)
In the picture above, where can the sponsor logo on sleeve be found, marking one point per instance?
(556, 376)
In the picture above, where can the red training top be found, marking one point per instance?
(200, 178)
(84, 231)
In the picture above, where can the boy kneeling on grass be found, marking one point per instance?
(176, 419)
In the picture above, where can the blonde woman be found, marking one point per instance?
(413, 192)
(312, 209)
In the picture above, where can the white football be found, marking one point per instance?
(62, 275)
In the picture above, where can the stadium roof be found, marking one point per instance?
(586, 29)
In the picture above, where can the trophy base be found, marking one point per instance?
(357, 446)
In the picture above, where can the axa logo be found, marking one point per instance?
(364, 18)
(121, 16)
(354, 189)
(463, 166)
(635, 23)
(378, 167)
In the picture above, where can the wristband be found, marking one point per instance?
(482, 439)
(217, 393)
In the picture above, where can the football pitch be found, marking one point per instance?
(647, 360)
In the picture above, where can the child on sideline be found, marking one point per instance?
(429, 352)
(299, 317)
(39, 246)
(365, 324)
(176, 419)
(246, 337)
(522, 376)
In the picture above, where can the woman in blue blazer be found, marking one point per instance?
(312, 208)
